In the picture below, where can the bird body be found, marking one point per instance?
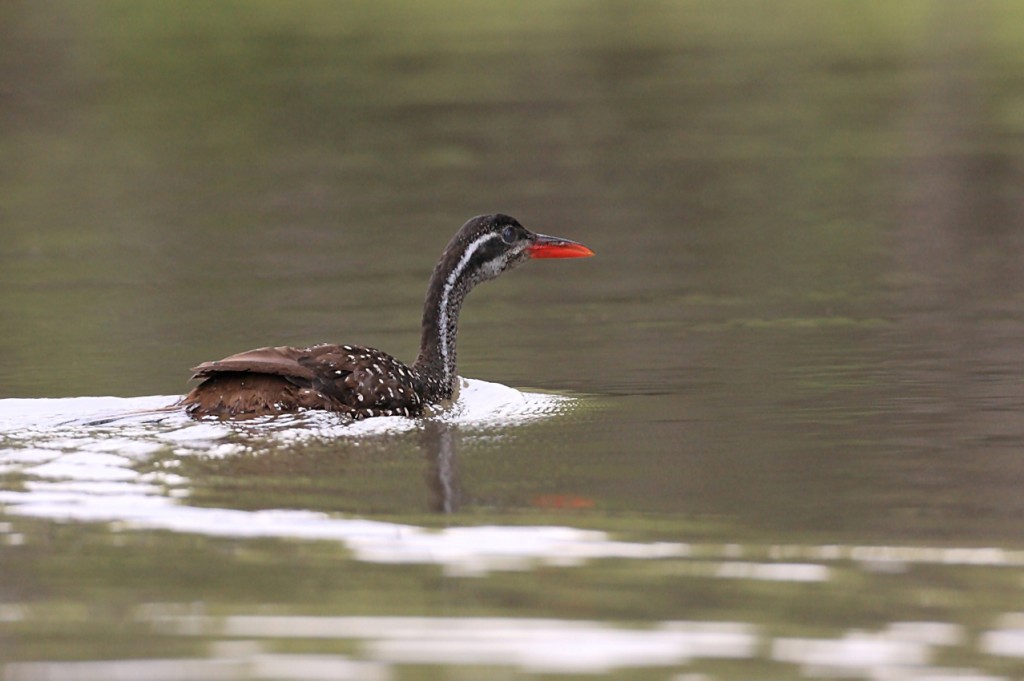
(365, 382)
(359, 381)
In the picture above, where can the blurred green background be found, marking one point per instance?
(180, 181)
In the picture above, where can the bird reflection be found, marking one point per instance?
(442, 473)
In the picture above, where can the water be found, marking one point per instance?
(770, 431)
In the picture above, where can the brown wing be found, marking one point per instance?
(257, 382)
(280, 361)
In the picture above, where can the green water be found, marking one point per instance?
(796, 357)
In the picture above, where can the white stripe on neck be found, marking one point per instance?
(449, 284)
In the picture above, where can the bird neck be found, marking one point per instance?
(436, 362)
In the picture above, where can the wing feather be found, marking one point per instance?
(279, 361)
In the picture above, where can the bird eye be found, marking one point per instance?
(508, 235)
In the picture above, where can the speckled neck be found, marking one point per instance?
(453, 278)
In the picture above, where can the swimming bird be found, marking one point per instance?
(365, 382)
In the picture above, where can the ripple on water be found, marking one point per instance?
(79, 459)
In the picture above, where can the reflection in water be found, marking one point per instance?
(121, 472)
(129, 472)
(537, 645)
(229, 661)
(442, 475)
(245, 647)
(1008, 639)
